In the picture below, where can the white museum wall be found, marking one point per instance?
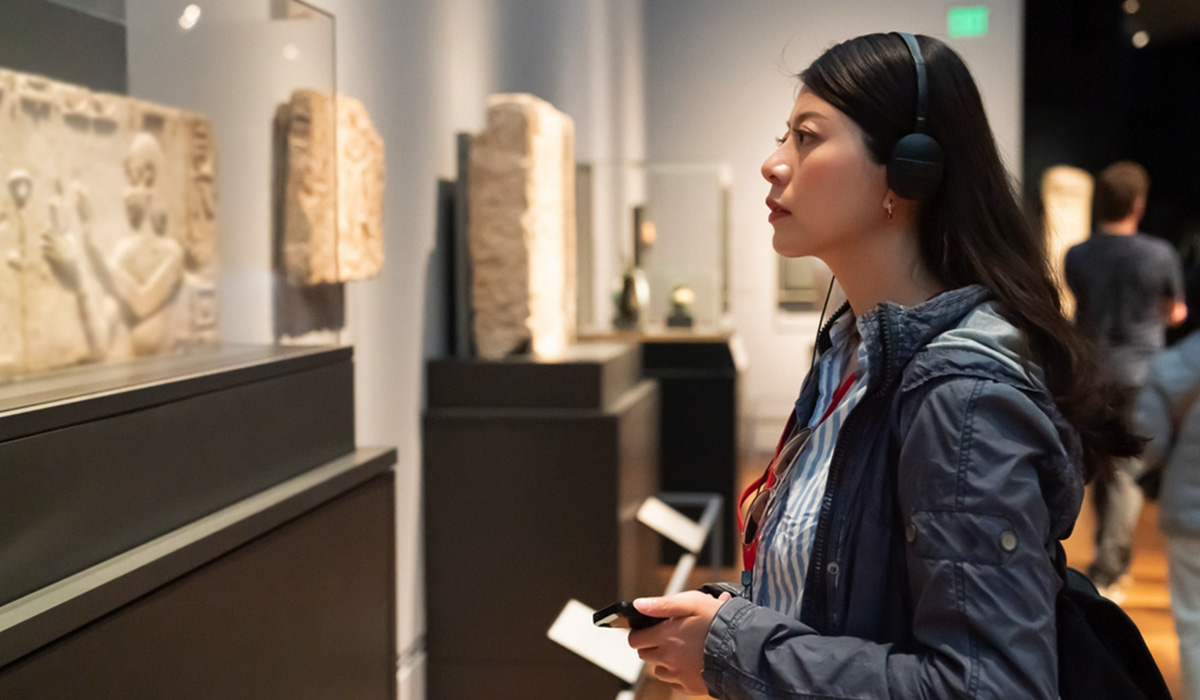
(719, 87)
(423, 68)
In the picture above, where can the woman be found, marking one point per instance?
(907, 550)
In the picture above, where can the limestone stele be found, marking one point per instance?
(522, 228)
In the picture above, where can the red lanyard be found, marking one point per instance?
(767, 480)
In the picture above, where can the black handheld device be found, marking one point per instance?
(623, 615)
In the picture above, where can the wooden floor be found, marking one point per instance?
(1147, 599)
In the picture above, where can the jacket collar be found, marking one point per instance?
(892, 334)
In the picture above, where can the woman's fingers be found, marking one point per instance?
(678, 605)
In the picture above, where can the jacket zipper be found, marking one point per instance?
(819, 583)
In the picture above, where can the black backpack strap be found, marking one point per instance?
(1101, 653)
(1060, 561)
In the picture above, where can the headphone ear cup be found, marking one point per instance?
(915, 167)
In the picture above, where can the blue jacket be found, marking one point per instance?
(1172, 376)
(932, 571)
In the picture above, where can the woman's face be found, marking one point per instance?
(826, 191)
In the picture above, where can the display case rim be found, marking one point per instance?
(36, 403)
(109, 10)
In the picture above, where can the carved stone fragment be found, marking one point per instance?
(522, 228)
(331, 233)
(95, 227)
(1067, 203)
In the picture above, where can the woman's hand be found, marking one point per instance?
(674, 650)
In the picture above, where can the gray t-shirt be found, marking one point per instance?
(1121, 284)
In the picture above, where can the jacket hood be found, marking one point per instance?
(963, 333)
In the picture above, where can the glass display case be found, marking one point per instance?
(653, 246)
(138, 151)
(166, 465)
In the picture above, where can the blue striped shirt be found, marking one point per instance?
(791, 520)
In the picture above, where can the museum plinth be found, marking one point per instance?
(195, 526)
(533, 473)
(697, 373)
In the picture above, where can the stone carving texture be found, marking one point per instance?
(522, 228)
(1067, 203)
(105, 247)
(317, 247)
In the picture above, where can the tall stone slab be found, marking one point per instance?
(96, 226)
(1067, 206)
(522, 228)
(332, 212)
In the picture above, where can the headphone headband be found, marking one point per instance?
(916, 163)
(922, 90)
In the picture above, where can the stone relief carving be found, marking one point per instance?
(317, 246)
(109, 249)
(522, 228)
(1067, 204)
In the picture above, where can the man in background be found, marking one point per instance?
(1128, 288)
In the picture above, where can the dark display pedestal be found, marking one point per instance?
(699, 383)
(195, 527)
(698, 380)
(533, 473)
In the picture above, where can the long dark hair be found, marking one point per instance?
(972, 229)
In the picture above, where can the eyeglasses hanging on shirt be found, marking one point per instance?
(762, 491)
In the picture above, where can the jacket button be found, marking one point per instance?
(833, 568)
(1008, 541)
(910, 533)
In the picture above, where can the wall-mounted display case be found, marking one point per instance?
(139, 169)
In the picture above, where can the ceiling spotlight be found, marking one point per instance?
(189, 18)
(1132, 6)
(1140, 39)
(291, 52)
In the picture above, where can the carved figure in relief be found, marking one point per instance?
(146, 267)
(20, 189)
(63, 250)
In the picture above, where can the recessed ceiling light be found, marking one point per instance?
(189, 18)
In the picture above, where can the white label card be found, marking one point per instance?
(607, 648)
(672, 524)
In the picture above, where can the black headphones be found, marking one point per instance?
(914, 170)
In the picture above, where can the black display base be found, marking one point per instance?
(96, 460)
(533, 473)
(288, 595)
(195, 526)
(699, 383)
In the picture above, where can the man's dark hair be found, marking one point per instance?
(1118, 187)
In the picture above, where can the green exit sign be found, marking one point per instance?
(967, 21)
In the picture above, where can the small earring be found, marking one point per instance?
(889, 208)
